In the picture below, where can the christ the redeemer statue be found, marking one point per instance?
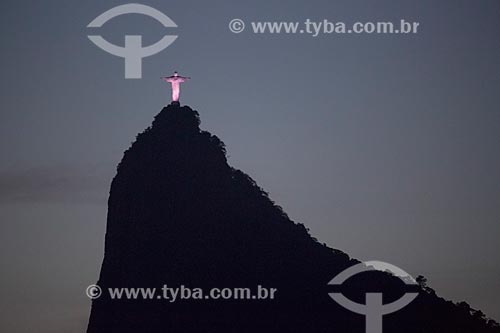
(175, 80)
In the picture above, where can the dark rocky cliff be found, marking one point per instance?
(178, 214)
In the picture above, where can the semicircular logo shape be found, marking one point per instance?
(132, 8)
(374, 308)
(133, 51)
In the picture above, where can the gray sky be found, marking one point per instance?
(385, 146)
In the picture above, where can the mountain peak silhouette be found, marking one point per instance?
(179, 215)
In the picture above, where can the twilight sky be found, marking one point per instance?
(386, 146)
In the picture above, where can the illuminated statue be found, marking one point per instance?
(175, 80)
